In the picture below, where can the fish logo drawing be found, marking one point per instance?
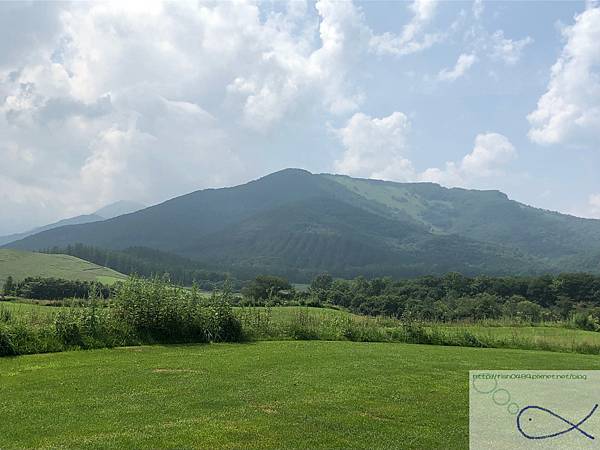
(530, 418)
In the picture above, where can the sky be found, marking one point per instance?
(145, 101)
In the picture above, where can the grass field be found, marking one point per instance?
(20, 264)
(554, 336)
(263, 395)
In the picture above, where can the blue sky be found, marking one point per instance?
(148, 100)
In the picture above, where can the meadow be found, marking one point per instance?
(311, 323)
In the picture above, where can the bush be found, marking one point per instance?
(160, 312)
(6, 345)
(585, 321)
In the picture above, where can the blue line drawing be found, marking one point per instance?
(572, 426)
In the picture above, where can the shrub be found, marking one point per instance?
(6, 315)
(585, 321)
(7, 347)
(160, 312)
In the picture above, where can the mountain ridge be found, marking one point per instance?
(297, 224)
(107, 212)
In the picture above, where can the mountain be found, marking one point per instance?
(107, 212)
(297, 224)
(119, 208)
(78, 220)
(19, 265)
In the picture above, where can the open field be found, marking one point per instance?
(263, 395)
(552, 336)
(20, 264)
(23, 309)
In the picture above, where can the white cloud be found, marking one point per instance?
(569, 111)
(105, 101)
(413, 37)
(594, 204)
(490, 155)
(463, 64)
(378, 148)
(148, 99)
(508, 50)
(491, 46)
(478, 8)
(375, 148)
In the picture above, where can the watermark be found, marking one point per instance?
(534, 409)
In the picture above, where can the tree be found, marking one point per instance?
(9, 286)
(529, 311)
(322, 282)
(265, 286)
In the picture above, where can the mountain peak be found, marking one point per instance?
(295, 223)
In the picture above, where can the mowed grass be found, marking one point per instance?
(20, 264)
(263, 395)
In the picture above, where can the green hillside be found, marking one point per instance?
(297, 224)
(19, 265)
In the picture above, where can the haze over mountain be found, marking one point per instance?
(297, 224)
(107, 212)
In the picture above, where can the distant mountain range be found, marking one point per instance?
(108, 212)
(297, 224)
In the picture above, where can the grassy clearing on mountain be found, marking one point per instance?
(20, 265)
(261, 395)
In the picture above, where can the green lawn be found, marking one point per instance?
(264, 395)
(20, 264)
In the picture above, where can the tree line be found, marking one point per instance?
(452, 297)
(39, 288)
(457, 297)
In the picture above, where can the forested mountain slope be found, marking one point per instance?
(297, 224)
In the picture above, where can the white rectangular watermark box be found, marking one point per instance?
(534, 409)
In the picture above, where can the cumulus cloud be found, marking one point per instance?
(508, 50)
(492, 46)
(148, 99)
(463, 64)
(375, 147)
(569, 111)
(105, 101)
(594, 204)
(413, 37)
(378, 148)
(478, 8)
(489, 157)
